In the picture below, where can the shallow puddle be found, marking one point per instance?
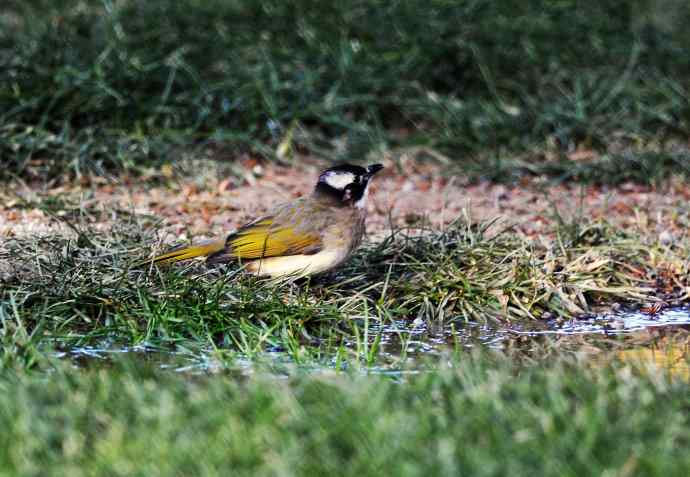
(404, 346)
(418, 337)
(624, 322)
(661, 339)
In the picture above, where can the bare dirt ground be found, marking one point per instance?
(203, 203)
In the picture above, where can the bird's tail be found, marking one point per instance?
(185, 253)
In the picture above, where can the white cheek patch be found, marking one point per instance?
(339, 180)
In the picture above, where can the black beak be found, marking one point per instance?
(373, 169)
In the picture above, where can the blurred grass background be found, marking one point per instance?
(500, 88)
(485, 416)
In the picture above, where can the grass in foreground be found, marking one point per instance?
(112, 86)
(485, 416)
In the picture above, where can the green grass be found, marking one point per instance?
(60, 292)
(487, 415)
(110, 86)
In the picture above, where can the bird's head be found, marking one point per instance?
(346, 184)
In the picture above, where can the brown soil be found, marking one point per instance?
(410, 193)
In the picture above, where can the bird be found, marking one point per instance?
(307, 236)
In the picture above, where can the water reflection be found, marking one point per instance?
(615, 323)
(671, 356)
(406, 346)
(632, 336)
(421, 337)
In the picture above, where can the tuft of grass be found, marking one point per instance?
(465, 272)
(484, 416)
(106, 86)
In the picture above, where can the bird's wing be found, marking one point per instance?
(272, 236)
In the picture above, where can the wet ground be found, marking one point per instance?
(660, 339)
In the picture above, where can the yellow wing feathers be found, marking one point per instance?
(262, 239)
(259, 239)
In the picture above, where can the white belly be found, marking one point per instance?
(297, 265)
